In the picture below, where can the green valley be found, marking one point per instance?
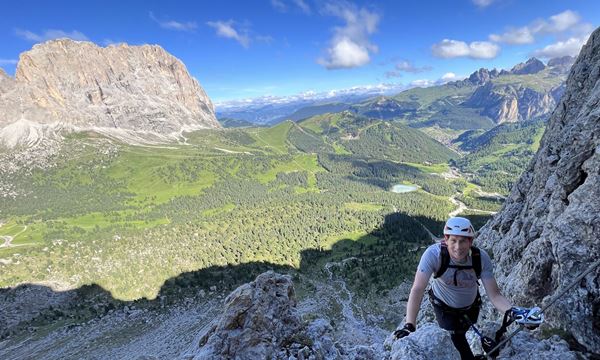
(130, 217)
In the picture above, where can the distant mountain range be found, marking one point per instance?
(486, 98)
(270, 110)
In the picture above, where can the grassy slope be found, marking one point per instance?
(130, 217)
(501, 154)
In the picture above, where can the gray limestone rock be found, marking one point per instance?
(258, 320)
(428, 342)
(532, 66)
(80, 85)
(547, 231)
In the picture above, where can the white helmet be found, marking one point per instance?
(459, 226)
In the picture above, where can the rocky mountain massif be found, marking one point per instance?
(486, 98)
(135, 91)
(547, 232)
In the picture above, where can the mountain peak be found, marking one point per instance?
(482, 76)
(119, 87)
(531, 66)
(564, 61)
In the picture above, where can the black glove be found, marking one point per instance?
(405, 331)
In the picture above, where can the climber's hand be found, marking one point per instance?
(531, 318)
(405, 331)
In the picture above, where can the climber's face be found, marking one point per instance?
(458, 247)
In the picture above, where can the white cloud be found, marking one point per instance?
(557, 23)
(571, 47)
(521, 35)
(350, 46)
(422, 83)
(566, 20)
(345, 53)
(8, 61)
(225, 29)
(450, 48)
(175, 25)
(453, 48)
(483, 50)
(483, 3)
(446, 78)
(50, 35)
(311, 95)
(450, 76)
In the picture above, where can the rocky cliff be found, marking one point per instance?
(509, 103)
(547, 232)
(83, 86)
(262, 320)
(531, 66)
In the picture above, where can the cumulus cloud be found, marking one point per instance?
(571, 47)
(566, 20)
(175, 25)
(350, 46)
(225, 29)
(422, 83)
(566, 26)
(449, 76)
(50, 34)
(483, 3)
(446, 78)
(557, 23)
(513, 36)
(454, 48)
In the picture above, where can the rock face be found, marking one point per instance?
(562, 63)
(482, 76)
(507, 103)
(532, 66)
(80, 85)
(547, 232)
(258, 320)
(519, 98)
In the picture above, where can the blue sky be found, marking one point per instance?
(248, 49)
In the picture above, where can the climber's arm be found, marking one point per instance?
(416, 295)
(493, 292)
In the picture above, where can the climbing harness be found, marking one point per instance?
(541, 311)
(486, 343)
(475, 254)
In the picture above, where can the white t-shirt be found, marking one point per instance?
(464, 293)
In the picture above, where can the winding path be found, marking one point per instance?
(356, 329)
(8, 238)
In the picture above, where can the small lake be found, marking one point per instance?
(400, 188)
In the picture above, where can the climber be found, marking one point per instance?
(454, 294)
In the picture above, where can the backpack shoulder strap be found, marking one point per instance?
(476, 260)
(445, 261)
